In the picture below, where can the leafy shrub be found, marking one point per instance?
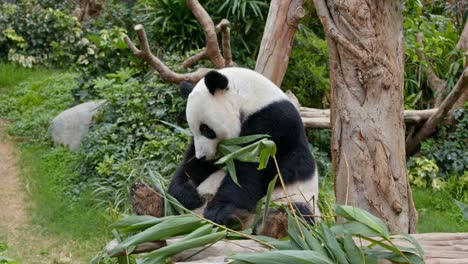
(450, 150)
(34, 103)
(440, 38)
(133, 133)
(307, 75)
(101, 53)
(31, 34)
(422, 172)
(444, 158)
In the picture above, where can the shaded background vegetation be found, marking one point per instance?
(141, 128)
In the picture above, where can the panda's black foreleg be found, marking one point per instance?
(230, 197)
(188, 176)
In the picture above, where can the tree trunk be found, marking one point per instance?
(365, 41)
(282, 21)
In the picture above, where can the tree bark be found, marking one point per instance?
(282, 21)
(365, 41)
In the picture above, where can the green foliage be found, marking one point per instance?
(101, 53)
(4, 259)
(14, 74)
(440, 38)
(114, 14)
(307, 75)
(437, 211)
(463, 208)
(32, 105)
(422, 172)
(163, 18)
(31, 34)
(131, 135)
(450, 150)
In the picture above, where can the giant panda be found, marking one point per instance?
(234, 102)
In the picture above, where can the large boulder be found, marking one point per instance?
(72, 125)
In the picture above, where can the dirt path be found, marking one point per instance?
(27, 242)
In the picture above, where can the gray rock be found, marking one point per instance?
(72, 125)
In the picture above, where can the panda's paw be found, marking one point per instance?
(192, 200)
(219, 213)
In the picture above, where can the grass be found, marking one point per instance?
(46, 170)
(11, 75)
(30, 98)
(438, 212)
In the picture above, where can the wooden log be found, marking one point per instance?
(320, 118)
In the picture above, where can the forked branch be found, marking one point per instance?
(211, 51)
(166, 74)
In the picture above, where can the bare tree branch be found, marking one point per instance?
(429, 127)
(224, 28)
(211, 40)
(166, 74)
(211, 51)
(195, 58)
(439, 86)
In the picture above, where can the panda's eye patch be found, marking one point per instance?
(207, 132)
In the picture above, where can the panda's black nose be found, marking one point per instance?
(202, 158)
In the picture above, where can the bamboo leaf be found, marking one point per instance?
(135, 220)
(354, 228)
(177, 225)
(232, 171)
(355, 254)
(332, 244)
(242, 140)
(364, 217)
(201, 231)
(271, 187)
(282, 256)
(160, 255)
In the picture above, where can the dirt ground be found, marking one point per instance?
(27, 242)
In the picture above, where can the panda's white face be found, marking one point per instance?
(211, 118)
(215, 105)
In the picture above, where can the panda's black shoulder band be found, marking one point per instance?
(215, 80)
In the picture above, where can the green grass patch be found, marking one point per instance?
(47, 170)
(11, 75)
(31, 98)
(32, 104)
(438, 212)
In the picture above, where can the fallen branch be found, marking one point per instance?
(429, 127)
(320, 118)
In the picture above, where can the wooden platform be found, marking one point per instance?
(444, 248)
(439, 248)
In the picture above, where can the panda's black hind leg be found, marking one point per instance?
(304, 210)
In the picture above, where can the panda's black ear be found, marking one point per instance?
(186, 88)
(214, 81)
